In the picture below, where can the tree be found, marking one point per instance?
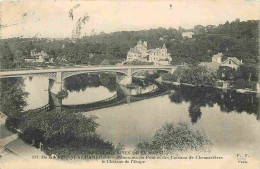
(199, 76)
(6, 57)
(247, 72)
(226, 73)
(12, 96)
(178, 137)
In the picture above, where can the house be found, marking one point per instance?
(158, 56)
(37, 56)
(187, 34)
(232, 62)
(216, 62)
(211, 65)
(138, 53)
(217, 58)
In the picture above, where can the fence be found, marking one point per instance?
(46, 108)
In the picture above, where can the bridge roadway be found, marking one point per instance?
(61, 73)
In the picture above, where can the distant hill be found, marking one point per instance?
(237, 39)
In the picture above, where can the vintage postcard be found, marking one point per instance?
(133, 84)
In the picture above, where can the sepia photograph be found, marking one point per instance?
(134, 84)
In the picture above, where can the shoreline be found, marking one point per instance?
(187, 84)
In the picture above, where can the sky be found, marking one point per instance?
(53, 19)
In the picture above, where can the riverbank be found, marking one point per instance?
(186, 84)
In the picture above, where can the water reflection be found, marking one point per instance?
(228, 101)
(194, 112)
(88, 92)
(83, 88)
(82, 81)
(37, 89)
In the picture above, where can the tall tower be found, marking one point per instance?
(164, 49)
(139, 45)
(145, 44)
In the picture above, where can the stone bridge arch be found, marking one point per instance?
(69, 74)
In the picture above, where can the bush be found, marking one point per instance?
(62, 130)
(173, 138)
(11, 123)
(169, 77)
(138, 63)
(242, 84)
(33, 135)
(197, 75)
(62, 94)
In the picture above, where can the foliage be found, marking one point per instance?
(152, 76)
(62, 129)
(226, 73)
(237, 39)
(246, 76)
(247, 72)
(138, 63)
(6, 57)
(169, 77)
(56, 130)
(62, 94)
(12, 96)
(196, 75)
(242, 84)
(178, 137)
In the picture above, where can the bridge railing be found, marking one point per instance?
(17, 69)
(80, 66)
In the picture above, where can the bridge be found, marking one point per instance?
(60, 74)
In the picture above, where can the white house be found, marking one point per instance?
(232, 62)
(217, 58)
(216, 61)
(158, 56)
(187, 34)
(37, 56)
(138, 53)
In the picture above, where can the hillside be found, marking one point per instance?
(237, 39)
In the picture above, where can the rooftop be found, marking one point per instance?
(219, 55)
(211, 65)
(234, 59)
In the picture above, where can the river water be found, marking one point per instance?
(230, 120)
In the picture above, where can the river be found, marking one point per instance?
(230, 120)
